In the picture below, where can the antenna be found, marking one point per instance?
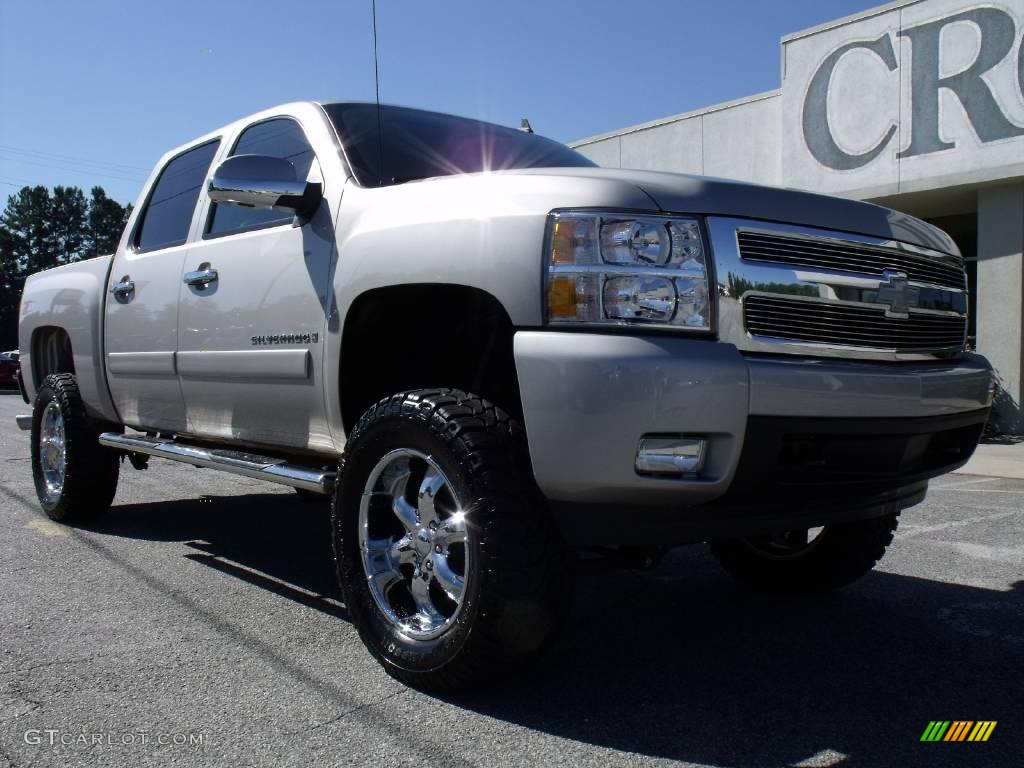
(380, 120)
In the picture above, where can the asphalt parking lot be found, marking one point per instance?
(199, 623)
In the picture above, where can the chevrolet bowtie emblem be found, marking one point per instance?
(898, 294)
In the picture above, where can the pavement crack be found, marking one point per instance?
(348, 712)
(53, 663)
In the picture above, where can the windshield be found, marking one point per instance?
(421, 145)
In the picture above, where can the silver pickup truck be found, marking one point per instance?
(490, 354)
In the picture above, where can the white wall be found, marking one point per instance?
(856, 85)
(1001, 292)
(736, 141)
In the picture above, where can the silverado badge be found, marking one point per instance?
(285, 338)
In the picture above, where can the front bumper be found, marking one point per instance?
(839, 428)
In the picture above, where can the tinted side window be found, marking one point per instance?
(168, 213)
(283, 138)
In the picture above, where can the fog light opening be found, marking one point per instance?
(671, 456)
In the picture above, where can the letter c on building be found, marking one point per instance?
(1020, 67)
(817, 132)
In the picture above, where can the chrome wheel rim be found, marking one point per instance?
(786, 544)
(413, 542)
(52, 451)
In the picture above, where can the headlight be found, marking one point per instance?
(622, 269)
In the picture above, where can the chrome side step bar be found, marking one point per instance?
(24, 422)
(237, 462)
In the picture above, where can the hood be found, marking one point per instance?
(683, 193)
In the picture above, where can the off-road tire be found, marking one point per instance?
(90, 477)
(519, 596)
(840, 555)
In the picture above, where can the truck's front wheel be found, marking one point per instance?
(449, 564)
(814, 560)
(75, 476)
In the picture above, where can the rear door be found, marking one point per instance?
(251, 340)
(141, 323)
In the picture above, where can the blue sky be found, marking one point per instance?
(93, 92)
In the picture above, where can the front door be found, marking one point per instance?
(141, 324)
(252, 311)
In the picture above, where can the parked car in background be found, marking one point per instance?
(9, 366)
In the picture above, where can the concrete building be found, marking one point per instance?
(917, 105)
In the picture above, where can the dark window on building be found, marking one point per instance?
(421, 145)
(168, 214)
(282, 137)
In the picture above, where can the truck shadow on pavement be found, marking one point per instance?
(682, 663)
(277, 542)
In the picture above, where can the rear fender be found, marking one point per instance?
(69, 298)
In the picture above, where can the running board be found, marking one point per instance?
(237, 462)
(24, 422)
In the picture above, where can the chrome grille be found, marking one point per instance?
(850, 256)
(819, 322)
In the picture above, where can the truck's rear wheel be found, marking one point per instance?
(449, 564)
(75, 476)
(808, 560)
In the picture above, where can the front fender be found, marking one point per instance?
(483, 231)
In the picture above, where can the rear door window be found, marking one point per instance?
(168, 213)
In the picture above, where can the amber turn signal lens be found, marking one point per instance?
(562, 296)
(572, 242)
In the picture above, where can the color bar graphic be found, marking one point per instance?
(982, 730)
(935, 730)
(958, 730)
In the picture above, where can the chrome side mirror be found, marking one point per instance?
(260, 181)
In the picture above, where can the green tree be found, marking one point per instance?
(67, 222)
(105, 222)
(28, 221)
(26, 246)
(11, 280)
(40, 230)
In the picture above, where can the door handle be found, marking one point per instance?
(201, 277)
(123, 288)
